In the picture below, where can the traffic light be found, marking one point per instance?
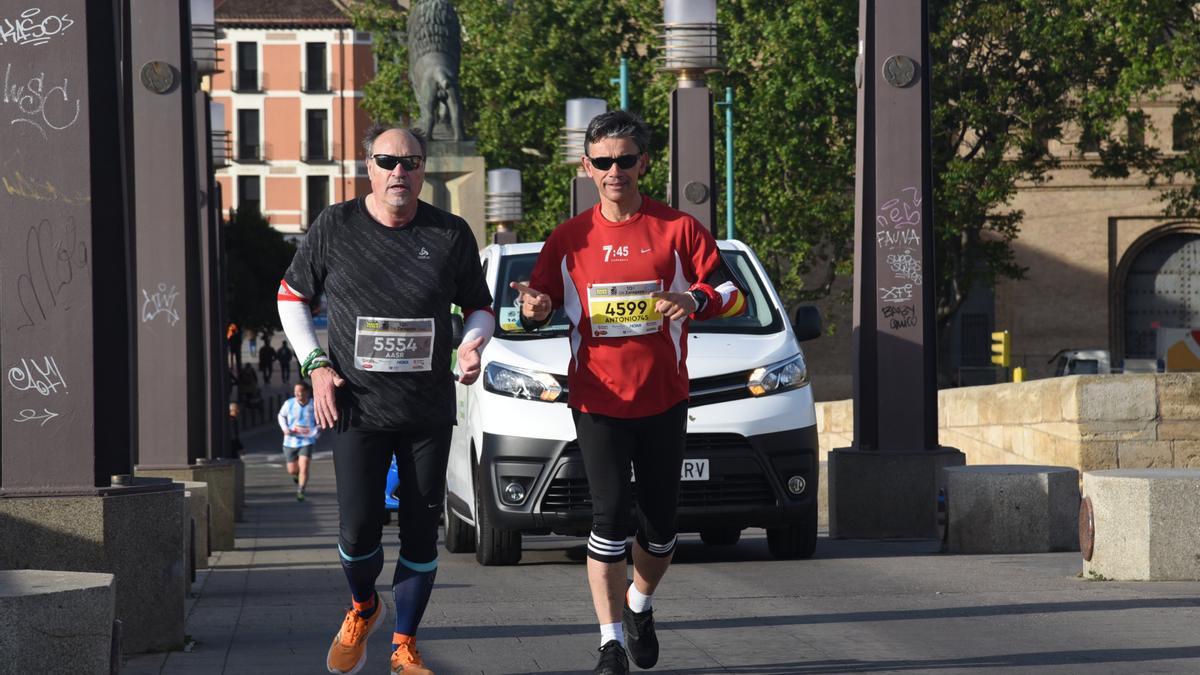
(1002, 348)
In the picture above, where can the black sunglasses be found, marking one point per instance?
(605, 163)
(389, 162)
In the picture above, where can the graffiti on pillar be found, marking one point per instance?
(900, 316)
(896, 293)
(31, 415)
(160, 302)
(54, 259)
(34, 103)
(41, 376)
(33, 29)
(905, 266)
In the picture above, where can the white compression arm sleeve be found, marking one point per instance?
(297, 322)
(480, 323)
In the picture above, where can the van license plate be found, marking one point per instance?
(692, 469)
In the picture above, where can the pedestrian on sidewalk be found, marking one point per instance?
(284, 356)
(390, 267)
(628, 378)
(266, 361)
(298, 421)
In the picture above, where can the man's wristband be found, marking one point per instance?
(532, 324)
(700, 298)
(316, 359)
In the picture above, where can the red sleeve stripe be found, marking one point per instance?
(287, 293)
(736, 306)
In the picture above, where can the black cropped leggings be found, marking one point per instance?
(654, 445)
(361, 458)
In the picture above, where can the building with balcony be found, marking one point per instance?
(286, 119)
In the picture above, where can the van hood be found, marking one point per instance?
(709, 354)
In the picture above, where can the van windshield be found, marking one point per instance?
(760, 317)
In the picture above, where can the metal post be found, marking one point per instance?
(886, 484)
(727, 104)
(623, 81)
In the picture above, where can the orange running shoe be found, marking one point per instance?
(348, 652)
(406, 660)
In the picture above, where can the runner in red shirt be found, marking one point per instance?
(630, 273)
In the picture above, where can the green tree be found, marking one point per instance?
(1008, 77)
(257, 256)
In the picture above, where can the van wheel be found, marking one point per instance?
(460, 537)
(798, 540)
(493, 546)
(723, 536)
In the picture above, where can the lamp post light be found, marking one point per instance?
(690, 50)
(580, 113)
(503, 204)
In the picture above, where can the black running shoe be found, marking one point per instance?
(613, 660)
(640, 639)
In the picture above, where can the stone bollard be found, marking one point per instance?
(220, 475)
(51, 618)
(1141, 524)
(197, 493)
(1011, 508)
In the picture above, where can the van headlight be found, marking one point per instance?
(521, 383)
(777, 377)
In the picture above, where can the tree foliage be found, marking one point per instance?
(1008, 77)
(257, 256)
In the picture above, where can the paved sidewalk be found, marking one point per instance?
(273, 605)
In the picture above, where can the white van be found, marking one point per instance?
(751, 456)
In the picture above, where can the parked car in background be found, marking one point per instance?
(751, 457)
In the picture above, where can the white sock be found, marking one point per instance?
(638, 601)
(611, 631)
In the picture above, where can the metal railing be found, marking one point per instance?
(222, 148)
(247, 152)
(315, 154)
(314, 82)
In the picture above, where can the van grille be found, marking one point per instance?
(737, 479)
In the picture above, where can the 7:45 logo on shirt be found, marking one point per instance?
(620, 252)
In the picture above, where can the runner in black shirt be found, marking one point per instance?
(389, 267)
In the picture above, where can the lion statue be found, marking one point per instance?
(434, 48)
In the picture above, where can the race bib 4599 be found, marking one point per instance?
(624, 309)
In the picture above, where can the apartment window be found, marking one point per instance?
(314, 63)
(249, 194)
(316, 135)
(1135, 129)
(247, 66)
(249, 149)
(1182, 129)
(318, 196)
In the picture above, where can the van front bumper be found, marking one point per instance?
(748, 484)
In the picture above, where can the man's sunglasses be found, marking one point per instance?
(389, 162)
(605, 163)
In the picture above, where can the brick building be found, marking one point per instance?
(292, 78)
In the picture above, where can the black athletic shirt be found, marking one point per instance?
(368, 270)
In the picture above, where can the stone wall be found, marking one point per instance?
(1087, 422)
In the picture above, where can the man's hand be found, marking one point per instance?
(325, 383)
(468, 361)
(535, 305)
(674, 306)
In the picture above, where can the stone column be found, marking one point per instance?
(886, 484)
(68, 412)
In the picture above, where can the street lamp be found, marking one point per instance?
(580, 113)
(690, 38)
(503, 203)
(690, 51)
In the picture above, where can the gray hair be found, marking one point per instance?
(618, 124)
(378, 130)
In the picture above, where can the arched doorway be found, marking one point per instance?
(1161, 290)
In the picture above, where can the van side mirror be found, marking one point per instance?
(456, 330)
(807, 322)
